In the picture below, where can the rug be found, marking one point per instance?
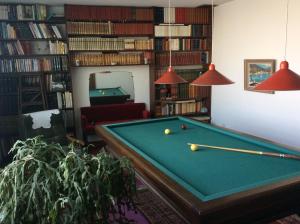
(157, 211)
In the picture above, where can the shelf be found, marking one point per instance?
(113, 51)
(30, 73)
(33, 39)
(31, 55)
(173, 65)
(112, 21)
(74, 66)
(31, 89)
(183, 37)
(60, 21)
(32, 104)
(110, 35)
(180, 24)
(167, 51)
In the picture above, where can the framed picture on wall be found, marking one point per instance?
(257, 71)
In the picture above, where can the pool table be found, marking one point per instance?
(209, 186)
(108, 96)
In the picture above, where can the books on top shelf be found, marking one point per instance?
(103, 44)
(108, 13)
(200, 15)
(23, 12)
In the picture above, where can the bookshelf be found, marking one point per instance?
(191, 48)
(106, 36)
(34, 68)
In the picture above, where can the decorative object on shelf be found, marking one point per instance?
(284, 79)
(212, 76)
(170, 76)
(256, 71)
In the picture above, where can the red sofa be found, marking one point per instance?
(111, 113)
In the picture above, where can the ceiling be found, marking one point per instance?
(164, 3)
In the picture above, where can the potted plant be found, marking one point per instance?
(48, 183)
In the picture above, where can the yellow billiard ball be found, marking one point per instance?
(194, 147)
(167, 131)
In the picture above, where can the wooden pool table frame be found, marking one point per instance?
(109, 99)
(258, 205)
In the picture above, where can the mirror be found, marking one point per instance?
(111, 87)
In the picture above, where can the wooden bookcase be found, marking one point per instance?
(106, 36)
(191, 46)
(34, 68)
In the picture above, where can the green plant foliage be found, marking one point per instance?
(48, 183)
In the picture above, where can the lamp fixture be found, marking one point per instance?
(170, 76)
(284, 79)
(212, 76)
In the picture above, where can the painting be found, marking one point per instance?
(256, 71)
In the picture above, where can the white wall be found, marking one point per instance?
(80, 82)
(255, 29)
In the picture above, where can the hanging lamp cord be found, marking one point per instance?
(286, 27)
(170, 53)
(212, 28)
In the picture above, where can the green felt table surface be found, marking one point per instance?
(118, 91)
(206, 173)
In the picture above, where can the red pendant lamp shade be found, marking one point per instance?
(282, 80)
(211, 77)
(170, 77)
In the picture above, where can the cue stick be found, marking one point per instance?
(281, 155)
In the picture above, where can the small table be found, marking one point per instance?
(209, 186)
(108, 96)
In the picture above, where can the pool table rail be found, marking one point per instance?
(257, 205)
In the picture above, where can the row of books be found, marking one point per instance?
(8, 105)
(108, 28)
(23, 12)
(97, 43)
(180, 91)
(105, 13)
(58, 47)
(57, 82)
(182, 44)
(29, 30)
(11, 48)
(199, 15)
(180, 107)
(28, 48)
(64, 100)
(182, 58)
(178, 30)
(9, 84)
(34, 64)
(128, 58)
